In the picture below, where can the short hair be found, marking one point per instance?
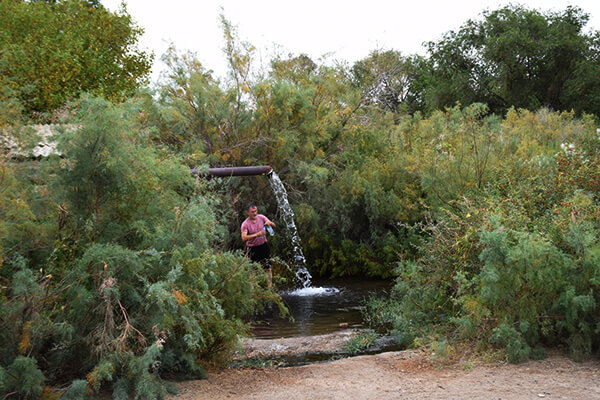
(251, 205)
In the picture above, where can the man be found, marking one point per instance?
(254, 234)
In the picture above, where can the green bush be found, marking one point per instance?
(361, 341)
(134, 286)
(22, 378)
(511, 262)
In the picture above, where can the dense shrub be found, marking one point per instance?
(128, 283)
(512, 262)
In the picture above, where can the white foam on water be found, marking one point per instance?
(313, 291)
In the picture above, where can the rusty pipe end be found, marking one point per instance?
(234, 171)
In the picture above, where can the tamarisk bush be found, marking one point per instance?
(128, 284)
(510, 256)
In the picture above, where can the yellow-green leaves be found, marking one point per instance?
(53, 52)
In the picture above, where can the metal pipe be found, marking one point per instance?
(235, 171)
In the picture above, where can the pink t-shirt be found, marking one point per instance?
(251, 227)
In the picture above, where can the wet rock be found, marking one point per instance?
(268, 348)
(384, 342)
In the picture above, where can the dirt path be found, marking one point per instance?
(402, 375)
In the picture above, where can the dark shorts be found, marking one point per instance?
(260, 254)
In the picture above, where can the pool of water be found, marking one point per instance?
(320, 309)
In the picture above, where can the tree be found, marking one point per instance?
(391, 80)
(515, 57)
(583, 92)
(192, 108)
(297, 69)
(51, 52)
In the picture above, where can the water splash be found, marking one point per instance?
(288, 218)
(313, 291)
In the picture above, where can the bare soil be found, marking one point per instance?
(398, 375)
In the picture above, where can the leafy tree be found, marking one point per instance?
(299, 69)
(515, 57)
(581, 92)
(193, 113)
(391, 81)
(51, 52)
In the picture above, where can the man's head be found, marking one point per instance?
(252, 211)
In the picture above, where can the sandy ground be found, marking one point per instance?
(402, 375)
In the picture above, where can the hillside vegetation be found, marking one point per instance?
(471, 176)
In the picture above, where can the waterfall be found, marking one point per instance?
(288, 217)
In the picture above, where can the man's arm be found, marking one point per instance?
(268, 222)
(246, 236)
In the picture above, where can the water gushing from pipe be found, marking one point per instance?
(288, 217)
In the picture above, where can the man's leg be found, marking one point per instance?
(269, 272)
(262, 254)
(267, 263)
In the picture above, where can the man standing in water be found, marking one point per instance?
(254, 234)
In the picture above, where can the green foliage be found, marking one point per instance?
(439, 197)
(360, 342)
(78, 390)
(517, 349)
(110, 180)
(22, 379)
(193, 107)
(133, 285)
(11, 108)
(516, 57)
(391, 81)
(508, 262)
(380, 311)
(116, 265)
(51, 52)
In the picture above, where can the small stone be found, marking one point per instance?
(541, 395)
(343, 324)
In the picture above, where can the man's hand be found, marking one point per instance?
(246, 237)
